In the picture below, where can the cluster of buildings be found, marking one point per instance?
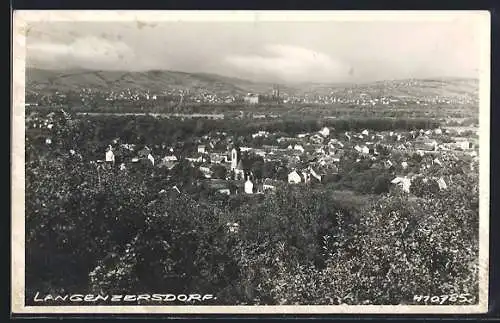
(316, 157)
(376, 94)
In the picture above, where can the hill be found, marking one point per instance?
(40, 80)
(154, 81)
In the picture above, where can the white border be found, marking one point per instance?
(22, 18)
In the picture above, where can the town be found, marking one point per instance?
(259, 162)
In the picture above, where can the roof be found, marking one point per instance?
(240, 165)
(144, 152)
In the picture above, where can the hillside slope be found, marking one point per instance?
(156, 81)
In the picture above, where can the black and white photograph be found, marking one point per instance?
(250, 161)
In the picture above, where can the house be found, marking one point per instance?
(442, 184)
(364, 132)
(217, 158)
(251, 98)
(462, 144)
(151, 159)
(403, 182)
(48, 141)
(233, 227)
(195, 160)
(268, 185)
(110, 156)
(170, 159)
(362, 149)
(207, 172)
(294, 177)
(325, 132)
(145, 152)
(260, 134)
(299, 148)
(404, 165)
(425, 144)
(306, 176)
(225, 191)
(167, 164)
(201, 149)
(317, 139)
(248, 186)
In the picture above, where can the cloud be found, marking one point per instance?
(291, 63)
(84, 52)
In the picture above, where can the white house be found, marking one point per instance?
(169, 158)
(402, 182)
(48, 141)
(201, 149)
(110, 156)
(226, 191)
(248, 187)
(462, 144)
(207, 172)
(404, 165)
(364, 132)
(268, 185)
(151, 159)
(442, 184)
(294, 178)
(299, 148)
(233, 227)
(325, 132)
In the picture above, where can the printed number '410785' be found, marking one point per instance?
(444, 299)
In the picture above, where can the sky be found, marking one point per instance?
(323, 52)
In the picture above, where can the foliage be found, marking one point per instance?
(96, 228)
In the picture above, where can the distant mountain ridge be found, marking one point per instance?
(41, 80)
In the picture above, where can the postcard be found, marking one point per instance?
(258, 162)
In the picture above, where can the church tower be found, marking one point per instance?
(235, 158)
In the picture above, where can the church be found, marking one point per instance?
(237, 171)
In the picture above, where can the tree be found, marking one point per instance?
(382, 184)
(219, 171)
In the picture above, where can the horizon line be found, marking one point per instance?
(290, 83)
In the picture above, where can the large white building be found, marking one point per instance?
(251, 98)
